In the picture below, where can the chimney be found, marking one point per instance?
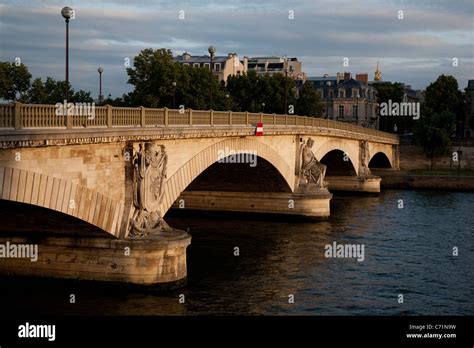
(347, 76)
(364, 78)
(186, 56)
(246, 64)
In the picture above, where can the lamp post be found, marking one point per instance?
(212, 51)
(67, 13)
(100, 71)
(459, 149)
(227, 101)
(174, 94)
(327, 99)
(263, 107)
(285, 69)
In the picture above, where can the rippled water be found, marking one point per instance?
(407, 251)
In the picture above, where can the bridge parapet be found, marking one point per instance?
(17, 118)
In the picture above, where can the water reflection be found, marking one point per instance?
(407, 251)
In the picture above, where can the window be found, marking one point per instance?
(186, 64)
(331, 93)
(341, 110)
(355, 111)
(196, 65)
(341, 93)
(217, 66)
(207, 65)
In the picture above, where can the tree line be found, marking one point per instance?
(159, 81)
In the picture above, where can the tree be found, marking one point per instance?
(392, 91)
(444, 95)
(243, 90)
(443, 106)
(309, 103)
(51, 91)
(14, 80)
(433, 132)
(153, 74)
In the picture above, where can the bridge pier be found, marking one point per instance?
(369, 184)
(155, 260)
(303, 204)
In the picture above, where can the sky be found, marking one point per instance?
(414, 50)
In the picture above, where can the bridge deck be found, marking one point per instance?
(35, 124)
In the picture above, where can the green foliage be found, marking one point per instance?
(14, 80)
(309, 103)
(51, 91)
(265, 93)
(152, 76)
(442, 108)
(444, 95)
(392, 91)
(389, 91)
(433, 132)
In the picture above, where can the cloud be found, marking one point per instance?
(416, 49)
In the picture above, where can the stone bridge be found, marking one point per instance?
(83, 166)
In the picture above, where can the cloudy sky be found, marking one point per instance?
(413, 50)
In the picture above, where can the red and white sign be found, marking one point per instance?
(259, 130)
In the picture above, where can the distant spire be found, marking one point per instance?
(378, 73)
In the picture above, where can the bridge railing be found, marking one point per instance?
(33, 116)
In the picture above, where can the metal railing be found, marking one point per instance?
(19, 116)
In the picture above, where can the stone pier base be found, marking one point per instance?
(354, 183)
(310, 205)
(147, 261)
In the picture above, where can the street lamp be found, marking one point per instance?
(67, 13)
(174, 94)
(285, 69)
(263, 107)
(459, 149)
(212, 51)
(227, 101)
(327, 99)
(101, 98)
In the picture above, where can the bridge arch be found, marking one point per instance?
(380, 160)
(61, 195)
(338, 163)
(380, 153)
(186, 174)
(347, 147)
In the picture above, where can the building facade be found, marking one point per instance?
(348, 99)
(222, 66)
(290, 67)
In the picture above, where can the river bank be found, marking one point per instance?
(432, 181)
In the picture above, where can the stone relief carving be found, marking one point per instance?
(312, 171)
(149, 177)
(364, 156)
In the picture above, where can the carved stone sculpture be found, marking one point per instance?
(312, 170)
(364, 157)
(149, 177)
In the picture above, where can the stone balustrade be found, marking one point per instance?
(18, 116)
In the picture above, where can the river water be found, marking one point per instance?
(408, 251)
